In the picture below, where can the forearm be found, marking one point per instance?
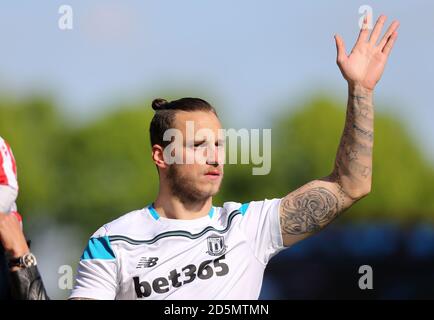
(26, 284)
(353, 164)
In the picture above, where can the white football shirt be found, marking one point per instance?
(144, 256)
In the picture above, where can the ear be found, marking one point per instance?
(158, 156)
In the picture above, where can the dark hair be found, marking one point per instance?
(165, 115)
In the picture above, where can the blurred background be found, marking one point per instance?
(75, 107)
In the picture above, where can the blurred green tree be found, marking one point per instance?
(90, 173)
(105, 168)
(305, 142)
(33, 128)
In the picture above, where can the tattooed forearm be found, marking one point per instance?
(351, 143)
(368, 134)
(308, 211)
(360, 107)
(314, 205)
(353, 165)
(359, 98)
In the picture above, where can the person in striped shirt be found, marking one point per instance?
(8, 178)
(8, 195)
(25, 282)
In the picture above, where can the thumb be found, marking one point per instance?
(340, 48)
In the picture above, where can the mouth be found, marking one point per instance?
(213, 174)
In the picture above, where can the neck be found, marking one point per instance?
(169, 206)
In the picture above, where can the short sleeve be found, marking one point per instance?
(97, 270)
(262, 227)
(8, 195)
(8, 168)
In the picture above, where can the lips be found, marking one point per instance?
(213, 173)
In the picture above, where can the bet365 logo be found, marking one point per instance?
(189, 273)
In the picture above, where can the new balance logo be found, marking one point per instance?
(146, 262)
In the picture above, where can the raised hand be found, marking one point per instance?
(365, 64)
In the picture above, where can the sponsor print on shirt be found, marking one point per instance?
(191, 272)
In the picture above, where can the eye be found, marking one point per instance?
(199, 144)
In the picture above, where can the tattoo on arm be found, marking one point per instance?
(308, 212)
(353, 164)
(368, 134)
(313, 206)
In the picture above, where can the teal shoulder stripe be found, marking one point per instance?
(153, 212)
(98, 248)
(211, 212)
(243, 208)
(177, 233)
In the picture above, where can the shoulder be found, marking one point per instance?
(3, 145)
(99, 245)
(249, 206)
(131, 222)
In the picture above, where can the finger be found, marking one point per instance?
(377, 29)
(364, 31)
(389, 44)
(392, 28)
(340, 48)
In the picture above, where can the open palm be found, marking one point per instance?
(365, 64)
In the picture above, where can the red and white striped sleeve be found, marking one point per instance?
(8, 167)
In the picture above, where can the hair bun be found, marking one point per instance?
(158, 104)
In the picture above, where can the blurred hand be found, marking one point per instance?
(365, 64)
(11, 236)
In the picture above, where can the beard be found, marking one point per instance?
(185, 189)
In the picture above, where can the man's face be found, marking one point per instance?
(201, 172)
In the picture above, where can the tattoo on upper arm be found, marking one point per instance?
(309, 211)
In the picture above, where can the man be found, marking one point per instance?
(8, 178)
(8, 195)
(182, 247)
(19, 275)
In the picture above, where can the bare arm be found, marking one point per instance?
(314, 205)
(12, 237)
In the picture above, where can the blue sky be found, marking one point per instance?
(247, 57)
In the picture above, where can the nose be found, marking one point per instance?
(213, 156)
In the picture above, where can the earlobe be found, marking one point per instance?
(158, 156)
(161, 164)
